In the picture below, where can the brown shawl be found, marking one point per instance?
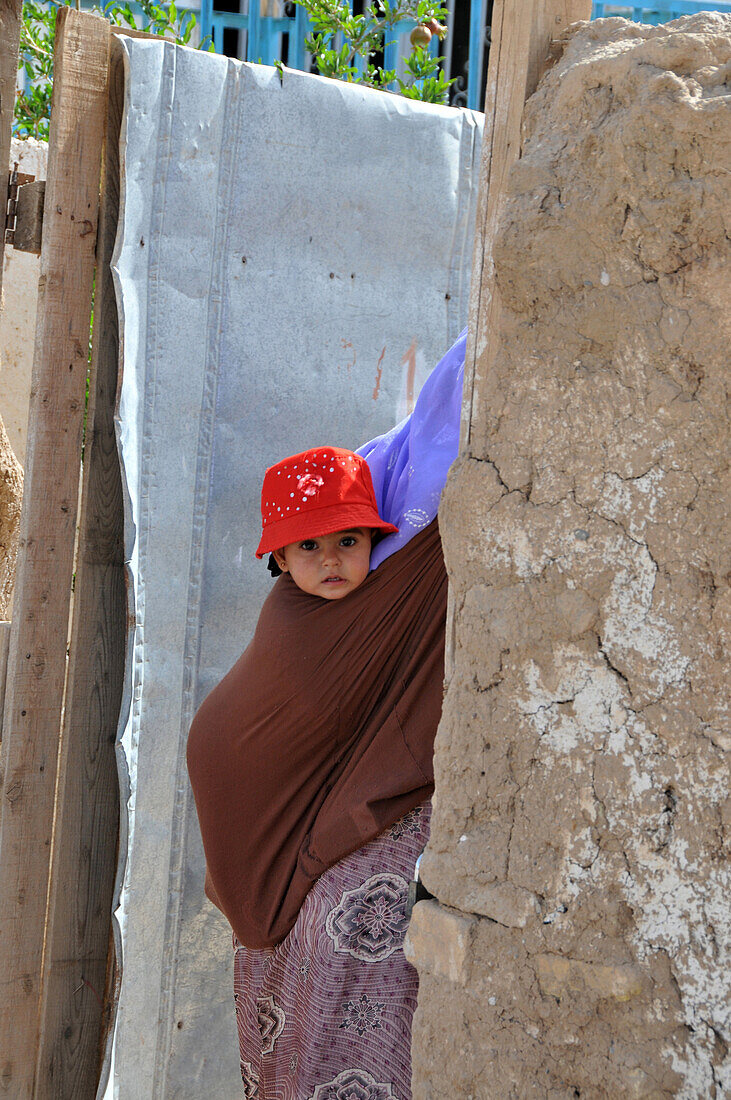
(320, 736)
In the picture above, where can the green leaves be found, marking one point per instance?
(33, 106)
(344, 46)
(348, 47)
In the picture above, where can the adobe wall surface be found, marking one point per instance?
(579, 944)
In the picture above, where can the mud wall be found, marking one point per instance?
(578, 946)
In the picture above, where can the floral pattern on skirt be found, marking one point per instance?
(327, 1013)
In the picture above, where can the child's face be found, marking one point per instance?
(331, 566)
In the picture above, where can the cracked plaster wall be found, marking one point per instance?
(579, 944)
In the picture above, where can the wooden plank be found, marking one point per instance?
(520, 52)
(130, 32)
(37, 660)
(73, 1012)
(10, 13)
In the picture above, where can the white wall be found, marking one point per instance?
(18, 315)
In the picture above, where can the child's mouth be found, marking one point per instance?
(333, 580)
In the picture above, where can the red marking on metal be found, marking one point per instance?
(379, 372)
(409, 361)
(345, 345)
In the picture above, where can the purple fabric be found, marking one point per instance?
(327, 1013)
(409, 464)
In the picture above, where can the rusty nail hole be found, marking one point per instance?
(142, 242)
(332, 274)
(448, 296)
(243, 259)
(180, 1024)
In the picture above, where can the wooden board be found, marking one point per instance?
(10, 12)
(73, 1011)
(130, 32)
(37, 659)
(520, 52)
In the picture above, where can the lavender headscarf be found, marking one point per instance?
(409, 463)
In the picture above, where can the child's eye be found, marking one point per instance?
(308, 544)
(348, 540)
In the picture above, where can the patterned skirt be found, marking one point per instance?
(327, 1013)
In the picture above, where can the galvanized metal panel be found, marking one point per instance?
(293, 257)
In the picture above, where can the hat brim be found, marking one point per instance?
(316, 522)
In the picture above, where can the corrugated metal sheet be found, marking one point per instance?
(293, 257)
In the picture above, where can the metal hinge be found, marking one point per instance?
(24, 211)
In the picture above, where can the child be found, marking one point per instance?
(311, 763)
(319, 515)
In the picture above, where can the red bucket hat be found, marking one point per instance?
(315, 493)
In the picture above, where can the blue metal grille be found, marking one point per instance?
(263, 32)
(263, 41)
(661, 12)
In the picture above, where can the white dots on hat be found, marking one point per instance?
(291, 494)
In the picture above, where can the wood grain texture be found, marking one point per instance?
(520, 52)
(37, 659)
(10, 11)
(73, 1010)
